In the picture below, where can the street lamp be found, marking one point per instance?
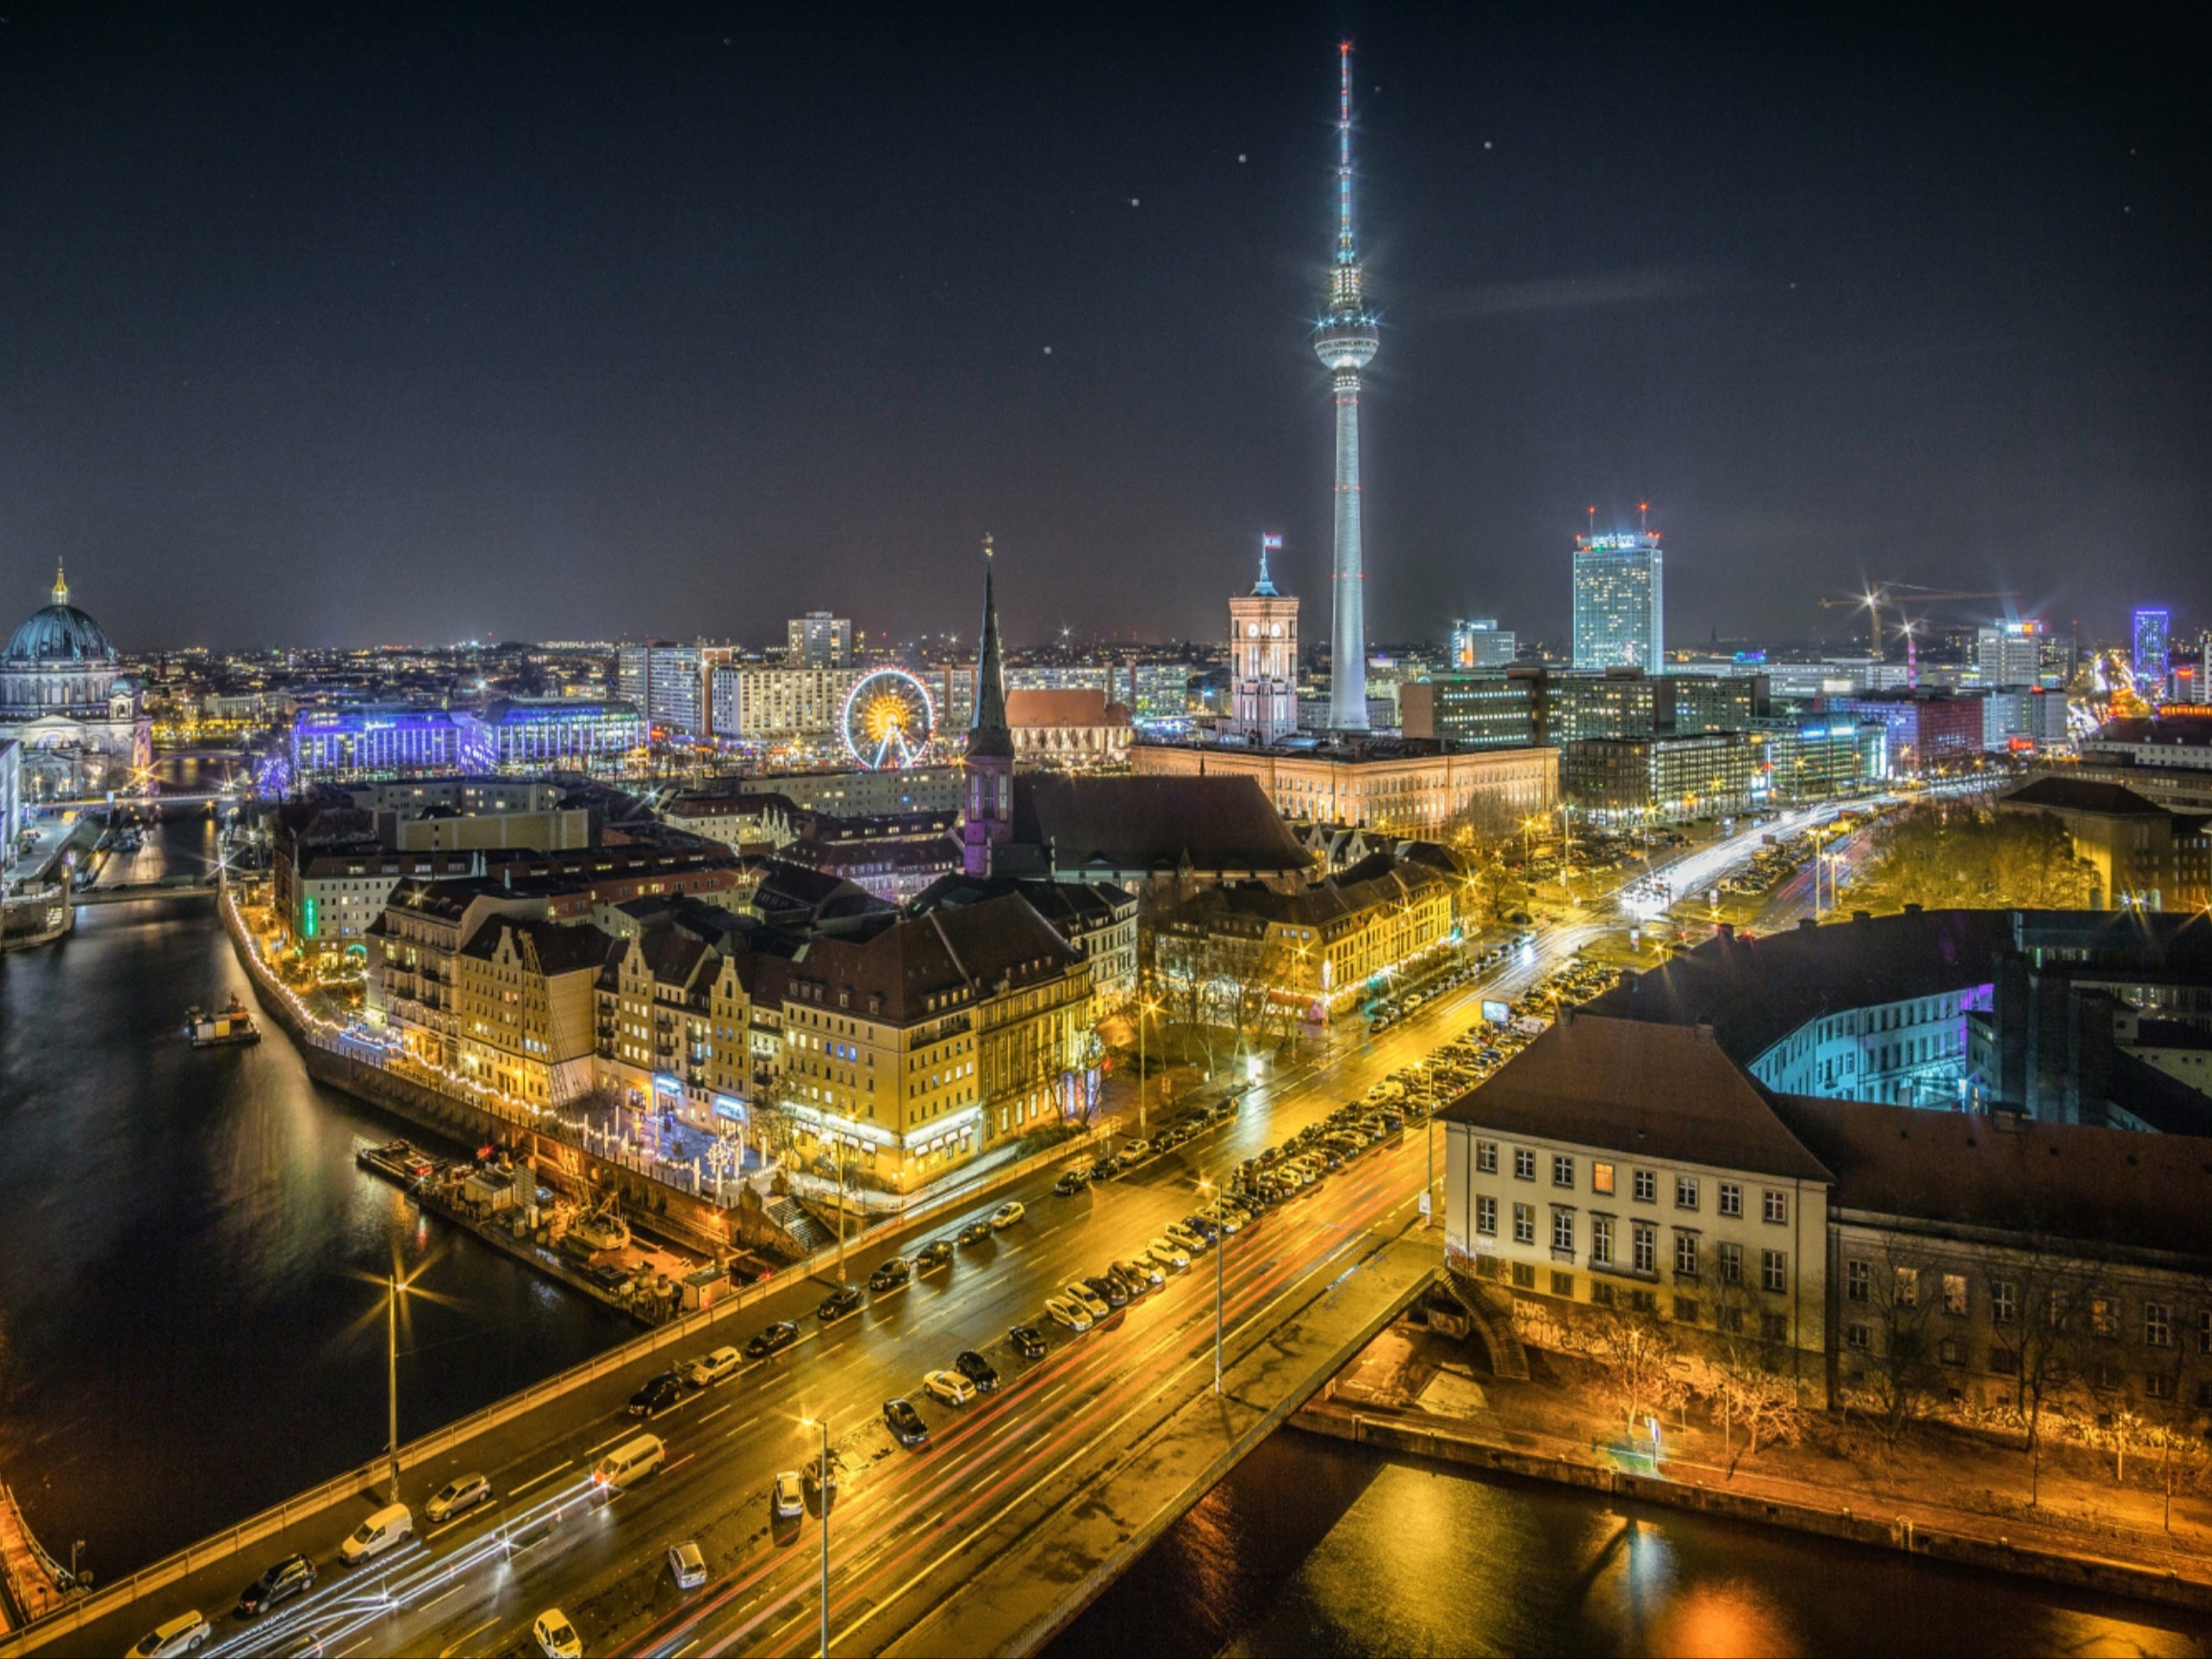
(821, 1426)
(393, 1285)
(1220, 1249)
(1143, 1010)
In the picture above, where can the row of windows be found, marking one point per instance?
(1643, 1244)
(1951, 1295)
(1688, 1189)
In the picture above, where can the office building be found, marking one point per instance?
(1928, 730)
(755, 703)
(818, 640)
(1619, 603)
(2153, 648)
(1819, 756)
(2009, 654)
(1481, 643)
(2023, 719)
(2146, 855)
(1401, 785)
(1473, 711)
(666, 683)
(1630, 780)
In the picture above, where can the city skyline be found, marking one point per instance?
(272, 435)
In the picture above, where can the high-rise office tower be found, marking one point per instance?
(1345, 342)
(2009, 654)
(1481, 643)
(820, 640)
(1263, 658)
(1619, 603)
(2151, 646)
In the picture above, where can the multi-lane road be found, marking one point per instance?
(1005, 1462)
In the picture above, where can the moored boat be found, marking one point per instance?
(227, 1024)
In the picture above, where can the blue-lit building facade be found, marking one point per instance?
(389, 739)
(2153, 640)
(1619, 603)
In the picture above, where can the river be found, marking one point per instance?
(192, 1311)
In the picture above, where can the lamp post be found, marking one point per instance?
(821, 1426)
(1145, 1010)
(1220, 1249)
(393, 1285)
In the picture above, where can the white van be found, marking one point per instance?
(631, 1461)
(393, 1524)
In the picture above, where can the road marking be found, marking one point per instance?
(741, 1427)
(463, 1637)
(611, 1439)
(711, 1416)
(425, 1606)
(684, 1648)
(517, 1492)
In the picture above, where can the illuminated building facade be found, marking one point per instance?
(2009, 654)
(525, 734)
(1263, 657)
(2152, 645)
(1662, 779)
(82, 720)
(1398, 785)
(1345, 342)
(818, 640)
(987, 819)
(1481, 643)
(753, 701)
(1619, 603)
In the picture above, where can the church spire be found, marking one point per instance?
(60, 585)
(988, 733)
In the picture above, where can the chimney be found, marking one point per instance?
(1912, 909)
(1862, 915)
(1705, 1029)
(1566, 1014)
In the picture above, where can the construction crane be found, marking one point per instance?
(1892, 597)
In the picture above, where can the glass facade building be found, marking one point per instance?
(1619, 603)
(2152, 640)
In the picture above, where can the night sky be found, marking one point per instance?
(352, 324)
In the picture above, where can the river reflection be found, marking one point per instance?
(190, 1323)
(1314, 1547)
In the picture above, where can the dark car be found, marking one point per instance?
(936, 1253)
(773, 1340)
(977, 1370)
(1027, 1340)
(1204, 1226)
(288, 1577)
(890, 1274)
(905, 1421)
(974, 1233)
(838, 1303)
(1106, 1169)
(657, 1395)
(1116, 1294)
(1068, 1184)
(1133, 1285)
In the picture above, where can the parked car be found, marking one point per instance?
(891, 1274)
(1169, 1254)
(687, 1565)
(293, 1576)
(556, 1637)
(456, 1496)
(1005, 1215)
(974, 1233)
(1205, 1226)
(838, 1304)
(1086, 1299)
(822, 1476)
(786, 1497)
(1181, 1235)
(1139, 1148)
(1068, 1184)
(1072, 1313)
(904, 1423)
(1028, 1341)
(657, 1394)
(709, 1369)
(388, 1527)
(774, 1340)
(936, 1253)
(1109, 1290)
(977, 1370)
(1106, 1169)
(948, 1386)
(183, 1634)
(1145, 1273)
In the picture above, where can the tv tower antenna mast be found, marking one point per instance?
(1345, 342)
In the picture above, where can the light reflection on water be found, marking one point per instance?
(1314, 1547)
(187, 1330)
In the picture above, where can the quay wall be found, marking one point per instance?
(2099, 1574)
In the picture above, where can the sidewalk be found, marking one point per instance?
(1938, 1492)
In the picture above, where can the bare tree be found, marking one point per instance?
(1639, 1358)
(1741, 1380)
(2040, 1295)
(1887, 1319)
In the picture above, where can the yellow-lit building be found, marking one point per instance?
(524, 1003)
(1401, 786)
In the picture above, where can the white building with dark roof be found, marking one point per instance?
(63, 696)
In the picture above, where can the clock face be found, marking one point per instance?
(1253, 628)
(1276, 630)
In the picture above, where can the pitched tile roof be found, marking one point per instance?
(1156, 823)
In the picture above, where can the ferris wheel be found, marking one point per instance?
(889, 720)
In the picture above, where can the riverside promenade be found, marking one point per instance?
(1938, 1492)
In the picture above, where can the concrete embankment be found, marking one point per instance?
(1422, 1435)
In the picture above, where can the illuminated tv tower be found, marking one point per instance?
(1346, 342)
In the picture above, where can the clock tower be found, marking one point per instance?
(1263, 658)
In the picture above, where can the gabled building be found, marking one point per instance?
(526, 1009)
